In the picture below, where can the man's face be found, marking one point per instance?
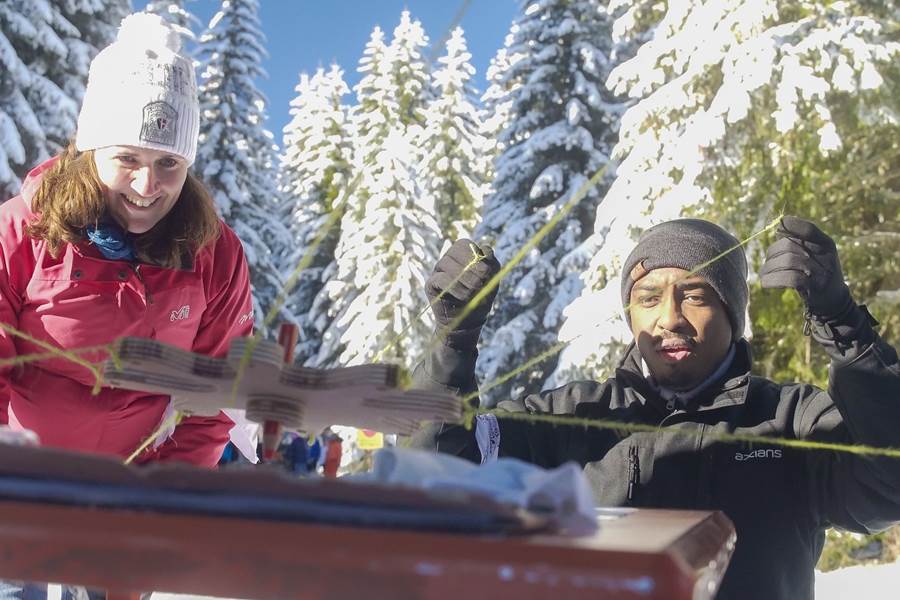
(141, 185)
(680, 325)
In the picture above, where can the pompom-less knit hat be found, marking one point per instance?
(688, 244)
(141, 92)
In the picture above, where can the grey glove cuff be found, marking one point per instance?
(839, 305)
(853, 326)
(846, 314)
(462, 339)
(452, 368)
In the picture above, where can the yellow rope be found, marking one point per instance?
(26, 358)
(56, 352)
(859, 449)
(560, 346)
(554, 349)
(173, 421)
(475, 258)
(177, 416)
(541, 233)
(304, 263)
(470, 413)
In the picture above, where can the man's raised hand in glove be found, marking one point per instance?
(806, 259)
(460, 274)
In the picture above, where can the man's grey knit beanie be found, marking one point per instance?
(686, 244)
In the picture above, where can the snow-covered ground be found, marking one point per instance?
(874, 582)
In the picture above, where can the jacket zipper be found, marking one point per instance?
(137, 271)
(634, 473)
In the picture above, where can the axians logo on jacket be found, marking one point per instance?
(759, 453)
(181, 314)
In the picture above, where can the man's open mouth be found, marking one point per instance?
(675, 353)
(674, 350)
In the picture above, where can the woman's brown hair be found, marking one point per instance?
(70, 199)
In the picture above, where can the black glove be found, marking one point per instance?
(449, 270)
(806, 260)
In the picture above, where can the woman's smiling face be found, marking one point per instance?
(141, 185)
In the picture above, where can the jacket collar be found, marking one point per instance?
(730, 390)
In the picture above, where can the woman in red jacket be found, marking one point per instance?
(117, 238)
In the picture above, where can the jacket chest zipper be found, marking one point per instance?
(671, 415)
(634, 474)
(137, 272)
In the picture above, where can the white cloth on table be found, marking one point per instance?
(563, 493)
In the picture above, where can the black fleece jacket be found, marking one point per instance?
(781, 500)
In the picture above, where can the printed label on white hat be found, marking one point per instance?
(159, 125)
(175, 80)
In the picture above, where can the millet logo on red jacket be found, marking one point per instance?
(181, 314)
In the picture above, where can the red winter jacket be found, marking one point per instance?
(81, 299)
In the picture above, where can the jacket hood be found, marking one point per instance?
(34, 178)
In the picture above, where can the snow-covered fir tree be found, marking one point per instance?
(45, 52)
(97, 22)
(183, 21)
(20, 132)
(400, 242)
(367, 125)
(389, 233)
(746, 108)
(315, 168)
(496, 102)
(410, 71)
(235, 155)
(563, 125)
(453, 171)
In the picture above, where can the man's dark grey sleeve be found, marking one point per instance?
(449, 366)
(546, 444)
(863, 402)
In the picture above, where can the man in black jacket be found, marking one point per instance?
(688, 372)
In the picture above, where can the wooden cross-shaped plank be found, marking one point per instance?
(300, 398)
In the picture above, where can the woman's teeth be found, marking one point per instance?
(141, 203)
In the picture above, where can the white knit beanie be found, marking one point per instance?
(141, 92)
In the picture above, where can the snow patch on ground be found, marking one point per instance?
(873, 582)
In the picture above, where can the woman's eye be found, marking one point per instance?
(128, 160)
(648, 300)
(168, 163)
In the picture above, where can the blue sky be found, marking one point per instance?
(305, 34)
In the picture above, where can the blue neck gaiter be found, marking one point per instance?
(111, 240)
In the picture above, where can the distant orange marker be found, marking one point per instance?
(333, 450)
